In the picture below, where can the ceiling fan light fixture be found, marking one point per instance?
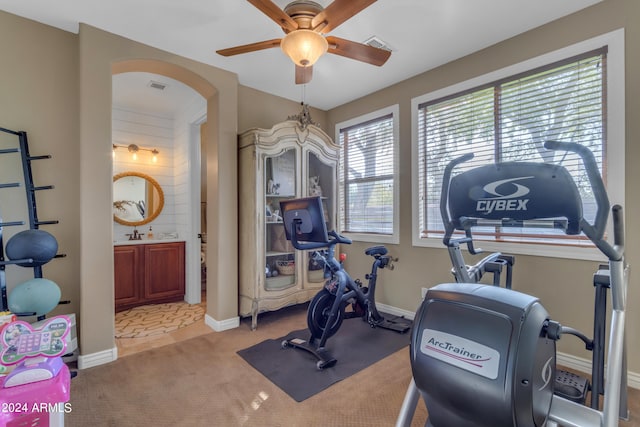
(304, 47)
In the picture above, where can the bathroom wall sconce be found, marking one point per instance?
(133, 149)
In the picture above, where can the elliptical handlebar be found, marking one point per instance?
(444, 212)
(618, 226)
(595, 231)
(444, 194)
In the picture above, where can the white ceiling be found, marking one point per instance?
(422, 34)
(133, 92)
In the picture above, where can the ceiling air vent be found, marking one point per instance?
(157, 85)
(376, 42)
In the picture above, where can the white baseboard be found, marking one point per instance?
(107, 356)
(633, 380)
(221, 325)
(573, 362)
(100, 358)
(584, 365)
(395, 311)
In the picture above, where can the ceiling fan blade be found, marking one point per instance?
(338, 12)
(358, 51)
(267, 44)
(272, 10)
(303, 74)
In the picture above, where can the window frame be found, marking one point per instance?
(615, 140)
(394, 237)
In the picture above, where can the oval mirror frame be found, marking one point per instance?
(160, 201)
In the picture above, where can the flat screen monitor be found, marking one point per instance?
(306, 216)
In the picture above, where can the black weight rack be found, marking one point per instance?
(34, 222)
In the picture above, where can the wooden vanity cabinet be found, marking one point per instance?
(129, 273)
(148, 274)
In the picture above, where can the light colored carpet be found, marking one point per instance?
(203, 382)
(156, 319)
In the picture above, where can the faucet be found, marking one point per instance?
(135, 235)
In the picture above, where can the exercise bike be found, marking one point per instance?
(306, 229)
(471, 340)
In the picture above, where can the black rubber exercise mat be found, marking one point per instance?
(356, 346)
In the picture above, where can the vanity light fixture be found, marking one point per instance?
(133, 149)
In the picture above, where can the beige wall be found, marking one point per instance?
(565, 286)
(257, 109)
(39, 95)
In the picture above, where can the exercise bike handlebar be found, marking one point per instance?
(338, 238)
(335, 239)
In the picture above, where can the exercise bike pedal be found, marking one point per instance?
(325, 359)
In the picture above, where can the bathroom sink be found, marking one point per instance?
(145, 241)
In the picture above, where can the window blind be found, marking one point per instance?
(366, 177)
(509, 120)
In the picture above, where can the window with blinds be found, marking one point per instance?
(368, 175)
(509, 120)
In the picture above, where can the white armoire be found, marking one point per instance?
(292, 159)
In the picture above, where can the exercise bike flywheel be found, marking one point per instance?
(318, 314)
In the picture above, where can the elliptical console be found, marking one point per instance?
(479, 351)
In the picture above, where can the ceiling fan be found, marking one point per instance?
(304, 23)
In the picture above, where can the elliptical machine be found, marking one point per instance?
(485, 355)
(304, 222)
(567, 384)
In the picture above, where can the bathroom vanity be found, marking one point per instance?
(148, 272)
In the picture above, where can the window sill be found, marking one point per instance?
(391, 239)
(551, 251)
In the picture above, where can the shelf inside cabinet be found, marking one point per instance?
(279, 282)
(277, 253)
(316, 276)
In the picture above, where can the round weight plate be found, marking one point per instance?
(37, 295)
(37, 245)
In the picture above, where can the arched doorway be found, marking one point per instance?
(102, 54)
(156, 112)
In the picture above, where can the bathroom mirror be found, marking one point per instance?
(137, 198)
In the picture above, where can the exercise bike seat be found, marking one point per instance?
(376, 251)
